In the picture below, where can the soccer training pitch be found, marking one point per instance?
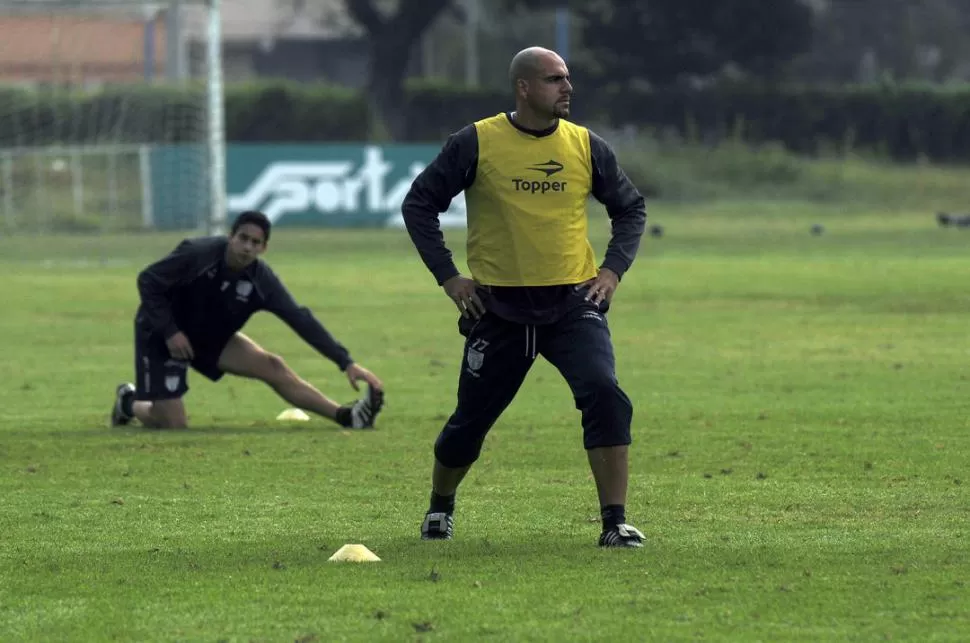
(799, 467)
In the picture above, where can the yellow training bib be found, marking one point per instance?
(527, 221)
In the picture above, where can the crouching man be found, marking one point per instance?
(195, 301)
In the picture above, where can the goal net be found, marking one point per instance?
(111, 116)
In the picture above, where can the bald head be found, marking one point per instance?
(541, 85)
(529, 63)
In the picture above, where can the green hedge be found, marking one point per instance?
(901, 122)
(283, 112)
(292, 113)
(433, 111)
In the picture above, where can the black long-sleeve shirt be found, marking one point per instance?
(453, 170)
(192, 290)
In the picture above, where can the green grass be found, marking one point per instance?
(799, 464)
(732, 170)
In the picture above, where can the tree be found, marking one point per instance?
(664, 41)
(866, 40)
(391, 35)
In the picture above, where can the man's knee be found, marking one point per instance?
(168, 414)
(459, 444)
(607, 412)
(274, 370)
(599, 386)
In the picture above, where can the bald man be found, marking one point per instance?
(534, 286)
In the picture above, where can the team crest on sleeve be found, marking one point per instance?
(243, 290)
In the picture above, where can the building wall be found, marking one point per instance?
(303, 40)
(76, 49)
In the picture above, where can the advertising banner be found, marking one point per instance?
(329, 185)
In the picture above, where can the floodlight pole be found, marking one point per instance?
(472, 19)
(562, 31)
(216, 121)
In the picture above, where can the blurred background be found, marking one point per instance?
(126, 116)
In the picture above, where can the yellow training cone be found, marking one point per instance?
(293, 414)
(354, 554)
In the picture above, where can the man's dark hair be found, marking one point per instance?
(258, 219)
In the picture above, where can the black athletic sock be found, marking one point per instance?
(128, 404)
(613, 515)
(343, 416)
(442, 504)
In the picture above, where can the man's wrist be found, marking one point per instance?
(612, 267)
(445, 272)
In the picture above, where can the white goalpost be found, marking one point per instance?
(111, 116)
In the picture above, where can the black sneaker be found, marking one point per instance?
(364, 410)
(118, 415)
(437, 526)
(621, 536)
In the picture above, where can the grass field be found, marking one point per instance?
(799, 465)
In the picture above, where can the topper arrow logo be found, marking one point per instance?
(550, 167)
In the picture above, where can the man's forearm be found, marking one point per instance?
(316, 335)
(625, 241)
(425, 233)
(452, 171)
(158, 313)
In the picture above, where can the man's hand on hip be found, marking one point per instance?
(461, 290)
(601, 287)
